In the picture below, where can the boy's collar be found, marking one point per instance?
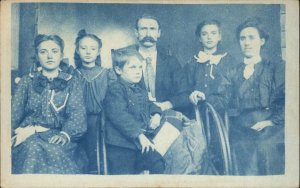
(130, 85)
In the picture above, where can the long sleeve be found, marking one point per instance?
(19, 101)
(189, 70)
(75, 125)
(222, 99)
(153, 108)
(117, 112)
(278, 96)
(179, 87)
(277, 107)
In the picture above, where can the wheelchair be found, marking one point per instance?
(99, 155)
(218, 157)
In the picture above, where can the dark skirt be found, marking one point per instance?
(257, 152)
(90, 140)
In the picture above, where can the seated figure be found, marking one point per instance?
(48, 115)
(139, 135)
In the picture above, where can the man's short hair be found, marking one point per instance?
(147, 16)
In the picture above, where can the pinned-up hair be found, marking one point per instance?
(64, 64)
(207, 22)
(42, 38)
(55, 38)
(253, 22)
(83, 34)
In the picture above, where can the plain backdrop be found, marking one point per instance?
(115, 23)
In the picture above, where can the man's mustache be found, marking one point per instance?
(148, 39)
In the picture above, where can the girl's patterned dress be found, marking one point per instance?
(57, 106)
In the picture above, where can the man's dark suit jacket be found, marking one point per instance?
(170, 81)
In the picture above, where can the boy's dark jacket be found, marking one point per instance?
(127, 111)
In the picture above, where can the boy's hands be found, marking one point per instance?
(155, 121)
(145, 143)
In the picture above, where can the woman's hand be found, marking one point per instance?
(58, 139)
(196, 96)
(261, 125)
(155, 121)
(145, 143)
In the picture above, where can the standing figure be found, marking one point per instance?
(94, 80)
(48, 115)
(162, 73)
(257, 92)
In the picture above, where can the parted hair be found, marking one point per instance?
(55, 38)
(253, 22)
(82, 34)
(42, 38)
(64, 65)
(207, 22)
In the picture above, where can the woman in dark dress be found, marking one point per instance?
(206, 69)
(257, 92)
(48, 115)
(95, 80)
(204, 74)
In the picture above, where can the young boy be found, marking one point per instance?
(133, 121)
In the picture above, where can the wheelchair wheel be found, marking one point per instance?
(218, 156)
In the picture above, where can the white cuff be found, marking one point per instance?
(67, 135)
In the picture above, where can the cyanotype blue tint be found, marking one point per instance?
(115, 24)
